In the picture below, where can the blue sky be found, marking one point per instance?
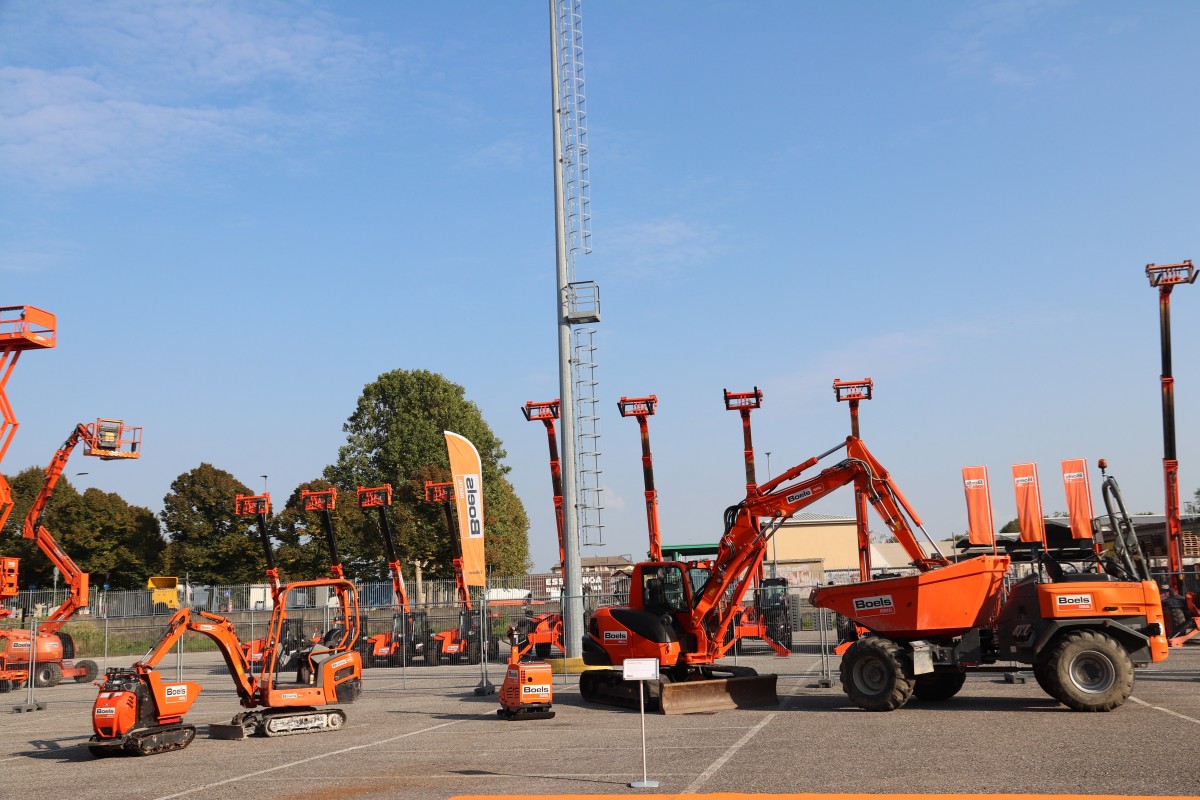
(242, 213)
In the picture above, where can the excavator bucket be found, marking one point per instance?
(220, 730)
(719, 694)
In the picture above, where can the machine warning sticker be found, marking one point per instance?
(615, 636)
(877, 606)
(175, 693)
(1082, 602)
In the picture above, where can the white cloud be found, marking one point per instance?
(127, 91)
(994, 40)
(668, 245)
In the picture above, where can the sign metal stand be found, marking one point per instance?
(642, 670)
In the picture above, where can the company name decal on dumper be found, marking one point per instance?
(175, 693)
(1083, 602)
(878, 605)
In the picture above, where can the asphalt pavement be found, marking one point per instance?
(423, 733)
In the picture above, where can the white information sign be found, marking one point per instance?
(641, 669)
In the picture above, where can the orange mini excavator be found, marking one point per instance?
(138, 712)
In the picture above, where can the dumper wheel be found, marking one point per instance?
(1041, 674)
(48, 674)
(1089, 671)
(874, 676)
(938, 686)
(474, 651)
(90, 671)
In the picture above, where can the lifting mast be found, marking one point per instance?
(108, 439)
(853, 392)
(546, 412)
(444, 493)
(544, 631)
(379, 498)
(641, 408)
(259, 506)
(323, 501)
(1165, 277)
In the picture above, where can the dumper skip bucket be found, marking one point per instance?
(946, 601)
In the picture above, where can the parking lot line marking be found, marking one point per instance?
(310, 758)
(1165, 710)
(728, 754)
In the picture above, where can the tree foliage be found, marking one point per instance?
(104, 535)
(395, 435)
(1012, 526)
(208, 542)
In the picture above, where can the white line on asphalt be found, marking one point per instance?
(306, 760)
(1165, 710)
(728, 754)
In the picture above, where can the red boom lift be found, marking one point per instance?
(409, 638)
(53, 648)
(21, 328)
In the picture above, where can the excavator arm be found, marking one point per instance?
(259, 506)
(222, 633)
(744, 543)
(107, 439)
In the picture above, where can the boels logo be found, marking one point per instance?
(615, 636)
(880, 604)
(803, 493)
(105, 712)
(974, 483)
(175, 693)
(1081, 602)
(474, 518)
(1072, 476)
(535, 690)
(340, 663)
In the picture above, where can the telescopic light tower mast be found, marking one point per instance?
(1165, 278)
(577, 308)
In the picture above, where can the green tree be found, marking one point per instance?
(395, 435)
(207, 541)
(99, 531)
(1012, 526)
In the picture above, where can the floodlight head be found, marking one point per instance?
(737, 401)
(374, 496)
(252, 505)
(637, 406)
(852, 390)
(320, 500)
(541, 411)
(438, 492)
(1170, 274)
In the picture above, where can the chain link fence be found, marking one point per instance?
(120, 627)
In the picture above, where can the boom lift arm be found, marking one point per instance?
(323, 501)
(546, 412)
(108, 439)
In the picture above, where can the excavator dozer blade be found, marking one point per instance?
(719, 694)
(218, 730)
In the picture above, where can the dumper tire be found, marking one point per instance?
(90, 671)
(47, 674)
(936, 687)
(1089, 671)
(874, 675)
(1041, 674)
